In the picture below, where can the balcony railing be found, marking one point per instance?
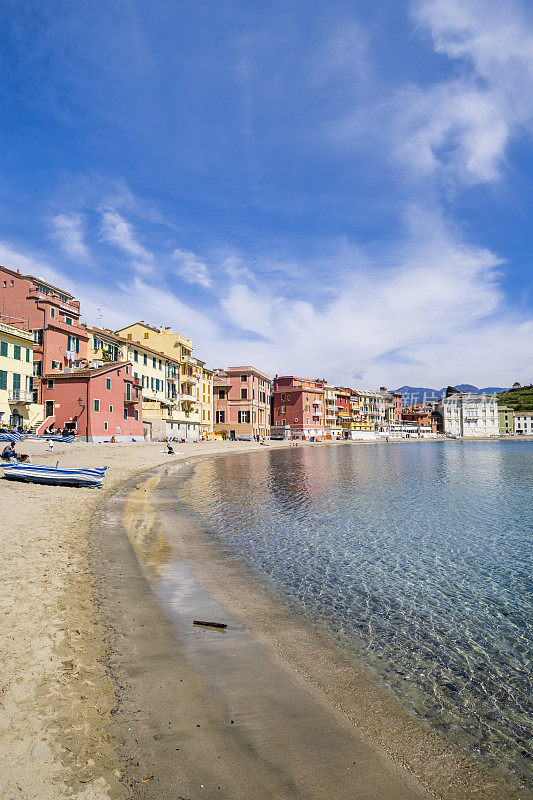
(20, 396)
(188, 398)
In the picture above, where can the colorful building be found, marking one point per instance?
(17, 406)
(158, 376)
(299, 404)
(333, 429)
(98, 402)
(343, 398)
(241, 403)
(422, 415)
(52, 314)
(505, 420)
(187, 419)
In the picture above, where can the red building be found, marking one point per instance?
(298, 404)
(423, 414)
(97, 403)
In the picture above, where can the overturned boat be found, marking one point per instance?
(55, 476)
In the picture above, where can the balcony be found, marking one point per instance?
(20, 396)
(189, 398)
(130, 398)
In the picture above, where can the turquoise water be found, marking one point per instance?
(415, 556)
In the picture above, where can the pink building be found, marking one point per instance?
(96, 403)
(241, 403)
(54, 317)
(298, 405)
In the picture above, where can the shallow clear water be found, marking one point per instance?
(416, 556)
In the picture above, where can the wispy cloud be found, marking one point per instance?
(117, 231)
(68, 230)
(191, 268)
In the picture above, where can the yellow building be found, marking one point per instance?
(193, 378)
(159, 376)
(17, 405)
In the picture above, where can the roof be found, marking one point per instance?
(169, 331)
(12, 330)
(130, 342)
(87, 373)
(45, 283)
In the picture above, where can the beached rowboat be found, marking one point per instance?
(56, 476)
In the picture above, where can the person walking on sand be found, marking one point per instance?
(50, 446)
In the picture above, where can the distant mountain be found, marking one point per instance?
(423, 394)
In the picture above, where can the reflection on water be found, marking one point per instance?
(415, 555)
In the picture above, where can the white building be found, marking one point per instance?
(523, 423)
(469, 415)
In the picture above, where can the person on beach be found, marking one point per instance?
(50, 446)
(9, 452)
(170, 449)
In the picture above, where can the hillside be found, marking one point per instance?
(519, 399)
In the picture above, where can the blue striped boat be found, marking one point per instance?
(55, 476)
(10, 437)
(52, 437)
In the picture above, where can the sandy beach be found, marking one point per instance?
(107, 693)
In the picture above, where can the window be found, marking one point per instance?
(160, 364)
(50, 383)
(145, 359)
(97, 405)
(52, 312)
(135, 355)
(38, 336)
(3, 378)
(37, 368)
(244, 416)
(108, 383)
(136, 415)
(127, 370)
(222, 394)
(105, 426)
(49, 408)
(73, 344)
(154, 362)
(243, 377)
(283, 397)
(3, 349)
(125, 413)
(130, 336)
(244, 394)
(68, 320)
(221, 416)
(146, 335)
(28, 355)
(5, 284)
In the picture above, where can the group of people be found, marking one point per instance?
(51, 431)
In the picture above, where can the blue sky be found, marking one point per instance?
(336, 189)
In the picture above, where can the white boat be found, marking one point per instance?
(55, 476)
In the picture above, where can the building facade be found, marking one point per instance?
(523, 423)
(241, 403)
(332, 428)
(17, 406)
(53, 317)
(157, 373)
(299, 404)
(505, 420)
(98, 402)
(187, 420)
(469, 415)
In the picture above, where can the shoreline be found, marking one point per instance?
(62, 697)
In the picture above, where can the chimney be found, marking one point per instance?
(382, 388)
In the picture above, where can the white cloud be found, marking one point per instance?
(463, 125)
(116, 230)
(68, 230)
(191, 268)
